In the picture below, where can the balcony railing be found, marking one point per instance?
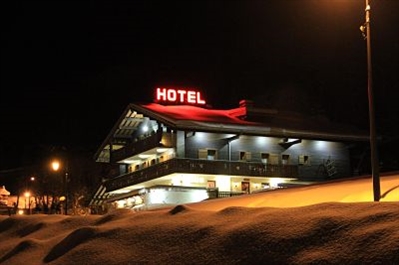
(137, 147)
(197, 166)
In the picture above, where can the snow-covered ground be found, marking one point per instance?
(332, 223)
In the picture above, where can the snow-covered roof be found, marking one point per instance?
(246, 119)
(198, 114)
(251, 120)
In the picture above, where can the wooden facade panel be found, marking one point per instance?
(319, 155)
(252, 145)
(206, 141)
(316, 153)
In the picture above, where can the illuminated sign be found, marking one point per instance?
(179, 96)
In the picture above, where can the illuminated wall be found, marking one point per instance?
(311, 156)
(162, 197)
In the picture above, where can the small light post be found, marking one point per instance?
(56, 166)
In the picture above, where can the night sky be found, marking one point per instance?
(69, 68)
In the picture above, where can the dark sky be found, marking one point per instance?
(69, 68)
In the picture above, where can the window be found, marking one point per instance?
(303, 160)
(245, 156)
(285, 159)
(264, 157)
(209, 154)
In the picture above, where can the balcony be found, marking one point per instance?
(137, 146)
(196, 166)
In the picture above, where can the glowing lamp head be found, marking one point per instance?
(55, 165)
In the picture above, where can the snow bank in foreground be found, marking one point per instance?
(326, 232)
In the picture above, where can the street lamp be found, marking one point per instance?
(56, 166)
(365, 28)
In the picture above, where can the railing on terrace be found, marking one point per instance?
(198, 166)
(137, 147)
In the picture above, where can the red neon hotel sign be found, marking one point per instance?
(179, 96)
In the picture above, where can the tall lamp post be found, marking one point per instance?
(56, 166)
(365, 28)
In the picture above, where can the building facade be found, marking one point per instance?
(181, 153)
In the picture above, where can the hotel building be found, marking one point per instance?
(186, 152)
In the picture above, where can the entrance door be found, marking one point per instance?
(245, 187)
